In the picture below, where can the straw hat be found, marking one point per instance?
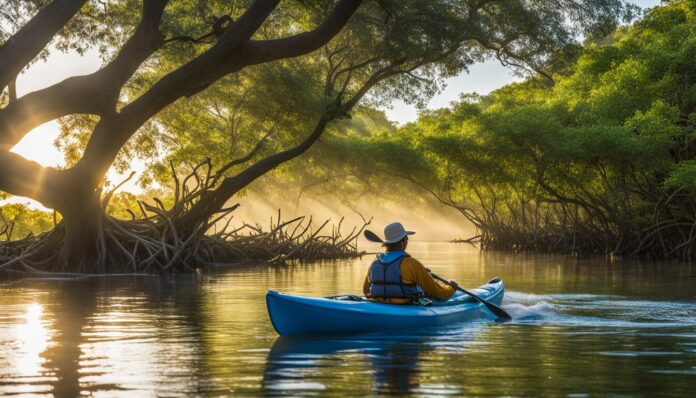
(393, 233)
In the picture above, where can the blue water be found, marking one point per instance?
(584, 327)
(557, 344)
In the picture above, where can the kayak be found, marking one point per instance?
(298, 315)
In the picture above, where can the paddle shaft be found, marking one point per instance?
(497, 311)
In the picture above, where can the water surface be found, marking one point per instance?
(582, 327)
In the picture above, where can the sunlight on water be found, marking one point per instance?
(580, 328)
(33, 340)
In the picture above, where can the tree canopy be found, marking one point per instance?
(602, 161)
(250, 84)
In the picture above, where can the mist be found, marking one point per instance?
(430, 221)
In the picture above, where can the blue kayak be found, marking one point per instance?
(297, 315)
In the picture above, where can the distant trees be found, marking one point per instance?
(17, 221)
(262, 68)
(604, 161)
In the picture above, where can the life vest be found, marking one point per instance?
(385, 277)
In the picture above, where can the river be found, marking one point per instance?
(582, 327)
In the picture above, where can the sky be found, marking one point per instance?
(38, 145)
(481, 78)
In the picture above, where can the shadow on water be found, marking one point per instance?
(395, 364)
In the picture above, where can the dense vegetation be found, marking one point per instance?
(601, 161)
(218, 93)
(18, 221)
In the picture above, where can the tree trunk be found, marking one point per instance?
(82, 246)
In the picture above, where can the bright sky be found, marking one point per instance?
(482, 79)
(38, 144)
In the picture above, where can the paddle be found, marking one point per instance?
(497, 311)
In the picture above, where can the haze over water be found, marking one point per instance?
(582, 327)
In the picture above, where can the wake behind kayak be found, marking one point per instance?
(297, 315)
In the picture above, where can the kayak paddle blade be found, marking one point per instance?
(372, 237)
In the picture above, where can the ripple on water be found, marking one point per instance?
(638, 353)
(598, 311)
(212, 337)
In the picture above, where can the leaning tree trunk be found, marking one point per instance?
(87, 239)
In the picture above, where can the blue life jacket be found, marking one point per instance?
(385, 277)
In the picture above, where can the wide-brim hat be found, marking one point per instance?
(393, 233)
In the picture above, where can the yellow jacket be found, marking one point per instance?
(412, 271)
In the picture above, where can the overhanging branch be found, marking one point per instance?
(28, 42)
(221, 60)
(96, 93)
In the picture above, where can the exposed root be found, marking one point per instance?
(567, 227)
(294, 239)
(158, 242)
(471, 241)
(152, 245)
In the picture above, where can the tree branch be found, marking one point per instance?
(214, 200)
(12, 90)
(90, 94)
(114, 129)
(231, 54)
(303, 43)
(243, 159)
(28, 42)
(23, 177)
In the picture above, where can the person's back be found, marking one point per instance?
(396, 277)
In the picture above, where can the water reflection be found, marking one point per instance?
(297, 364)
(581, 327)
(120, 335)
(33, 340)
(394, 364)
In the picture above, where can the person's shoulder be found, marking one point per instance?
(412, 262)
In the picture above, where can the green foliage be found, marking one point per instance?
(589, 159)
(683, 176)
(427, 40)
(18, 221)
(409, 46)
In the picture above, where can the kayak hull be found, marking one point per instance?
(297, 315)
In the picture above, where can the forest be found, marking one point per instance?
(597, 156)
(590, 154)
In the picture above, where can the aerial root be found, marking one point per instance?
(561, 227)
(159, 242)
(153, 245)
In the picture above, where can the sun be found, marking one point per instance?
(38, 145)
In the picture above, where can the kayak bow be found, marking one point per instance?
(297, 315)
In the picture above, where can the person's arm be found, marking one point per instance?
(413, 271)
(366, 285)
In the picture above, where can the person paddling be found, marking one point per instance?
(396, 277)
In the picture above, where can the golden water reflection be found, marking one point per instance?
(210, 335)
(33, 340)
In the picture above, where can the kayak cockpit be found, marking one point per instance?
(456, 299)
